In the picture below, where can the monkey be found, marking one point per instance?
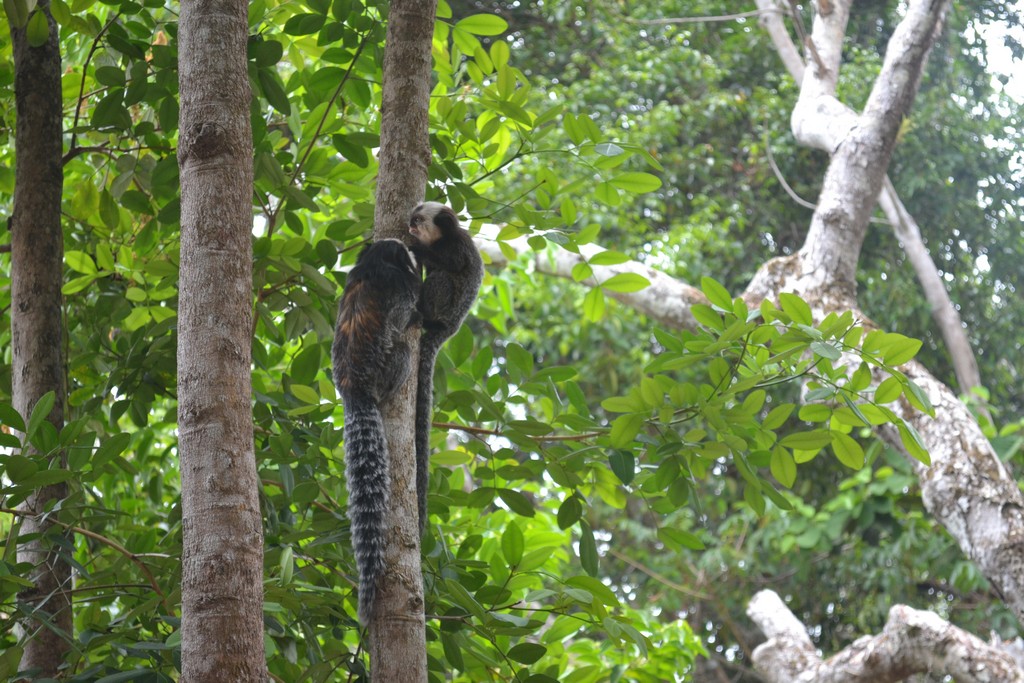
(454, 271)
(370, 363)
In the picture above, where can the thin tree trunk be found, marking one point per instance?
(398, 633)
(222, 530)
(37, 254)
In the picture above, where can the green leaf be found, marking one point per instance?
(847, 450)
(573, 128)
(753, 497)
(606, 193)
(267, 52)
(808, 441)
(913, 443)
(593, 305)
(607, 258)
(499, 53)
(608, 149)
(110, 448)
(47, 478)
(636, 183)
(783, 467)
(527, 653)
(588, 550)
(567, 209)
(483, 25)
(306, 365)
(512, 544)
(707, 317)
(919, 399)
(679, 538)
(273, 90)
(797, 308)
(305, 394)
(825, 350)
(110, 112)
(815, 412)
(9, 417)
(716, 293)
(595, 587)
(519, 358)
(516, 502)
(900, 350)
(110, 75)
(569, 512)
(450, 644)
(624, 429)
(40, 412)
(889, 390)
(80, 262)
(581, 271)
(778, 416)
(304, 24)
(19, 468)
(18, 11)
(626, 282)
(623, 465)
(38, 29)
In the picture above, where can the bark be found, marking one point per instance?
(912, 642)
(222, 531)
(820, 121)
(37, 344)
(398, 647)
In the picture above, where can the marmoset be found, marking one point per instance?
(370, 363)
(454, 271)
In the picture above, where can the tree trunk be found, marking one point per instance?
(398, 632)
(222, 531)
(37, 343)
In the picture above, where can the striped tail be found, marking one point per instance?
(429, 346)
(366, 469)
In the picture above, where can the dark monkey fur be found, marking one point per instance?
(370, 363)
(454, 272)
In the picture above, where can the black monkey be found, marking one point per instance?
(370, 363)
(454, 272)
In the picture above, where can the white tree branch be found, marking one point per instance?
(913, 641)
(667, 301)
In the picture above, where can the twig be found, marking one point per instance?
(790, 191)
(497, 432)
(657, 577)
(706, 20)
(81, 89)
(782, 180)
(107, 542)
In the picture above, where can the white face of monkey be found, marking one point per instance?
(422, 225)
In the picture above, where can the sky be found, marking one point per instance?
(1000, 61)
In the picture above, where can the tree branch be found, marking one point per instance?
(913, 641)
(667, 301)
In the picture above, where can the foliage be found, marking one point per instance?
(586, 457)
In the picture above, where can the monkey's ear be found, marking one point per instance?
(446, 220)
